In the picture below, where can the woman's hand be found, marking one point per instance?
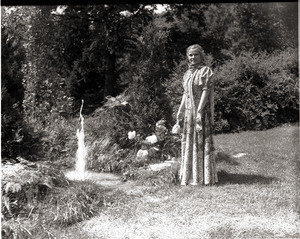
(198, 118)
(198, 122)
(176, 129)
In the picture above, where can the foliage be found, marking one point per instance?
(63, 207)
(143, 104)
(95, 50)
(73, 204)
(225, 29)
(37, 197)
(108, 153)
(265, 26)
(24, 183)
(204, 24)
(45, 85)
(257, 91)
(59, 141)
(25, 229)
(149, 102)
(161, 145)
(16, 138)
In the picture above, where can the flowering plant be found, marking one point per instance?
(142, 154)
(152, 139)
(131, 134)
(156, 146)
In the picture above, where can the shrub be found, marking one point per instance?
(37, 197)
(111, 150)
(174, 87)
(25, 183)
(13, 128)
(140, 106)
(59, 141)
(72, 204)
(257, 91)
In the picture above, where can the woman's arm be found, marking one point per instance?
(181, 109)
(203, 101)
(206, 91)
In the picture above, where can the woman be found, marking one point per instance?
(196, 112)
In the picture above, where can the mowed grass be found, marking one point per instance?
(256, 197)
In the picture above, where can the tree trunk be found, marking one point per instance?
(110, 78)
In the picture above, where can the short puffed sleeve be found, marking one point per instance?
(206, 76)
(185, 80)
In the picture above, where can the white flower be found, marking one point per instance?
(142, 154)
(176, 129)
(152, 139)
(131, 134)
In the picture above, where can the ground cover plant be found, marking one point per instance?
(256, 197)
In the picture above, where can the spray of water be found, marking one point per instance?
(81, 151)
(79, 173)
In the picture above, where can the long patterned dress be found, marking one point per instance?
(198, 159)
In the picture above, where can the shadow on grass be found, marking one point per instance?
(234, 178)
(223, 157)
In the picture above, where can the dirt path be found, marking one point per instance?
(107, 180)
(113, 181)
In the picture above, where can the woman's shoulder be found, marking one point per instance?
(187, 73)
(205, 68)
(206, 71)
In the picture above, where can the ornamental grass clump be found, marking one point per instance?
(37, 197)
(73, 204)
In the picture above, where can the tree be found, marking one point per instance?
(101, 43)
(45, 94)
(263, 27)
(223, 29)
(12, 92)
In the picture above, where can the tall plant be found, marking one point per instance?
(12, 92)
(45, 95)
(148, 93)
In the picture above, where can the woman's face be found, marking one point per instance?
(194, 56)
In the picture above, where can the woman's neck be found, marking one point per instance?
(194, 66)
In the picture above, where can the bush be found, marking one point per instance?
(37, 197)
(59, 141)
(72, 204)
(138, 108)
(257, 91)
(13, 128)
(25, 183)
(148, 100)
(111, 150)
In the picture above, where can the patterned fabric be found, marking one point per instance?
(198, 159)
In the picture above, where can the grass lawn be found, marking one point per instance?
(256, 197)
